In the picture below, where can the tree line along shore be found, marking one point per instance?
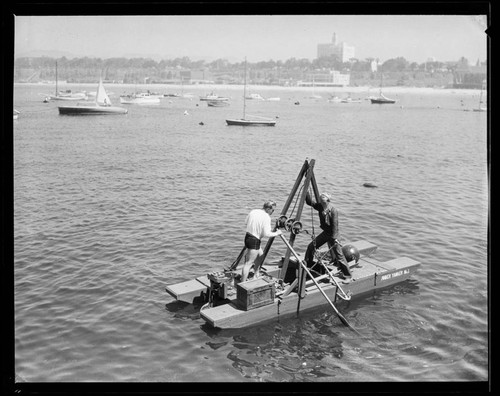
(397, 72)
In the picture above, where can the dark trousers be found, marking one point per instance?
(320, 240)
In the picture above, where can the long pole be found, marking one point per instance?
(245, 90)
(341, 317)
(57, 94)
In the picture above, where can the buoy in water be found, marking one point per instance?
(186, 112)
(369, 185)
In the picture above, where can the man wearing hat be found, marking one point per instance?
(258, 225)
(329, 223)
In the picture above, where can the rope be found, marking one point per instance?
(296, 200)
(313, 236)
(238, 259)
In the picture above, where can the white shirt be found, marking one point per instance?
(259, 224)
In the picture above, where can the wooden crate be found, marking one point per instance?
(255, 293)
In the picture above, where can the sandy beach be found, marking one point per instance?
(201, 89)
(361, 90)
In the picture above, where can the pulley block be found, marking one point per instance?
(296, 227)
(281, 221)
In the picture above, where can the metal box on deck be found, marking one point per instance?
(255, 293)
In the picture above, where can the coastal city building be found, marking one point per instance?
(343, 51)
(333, 78)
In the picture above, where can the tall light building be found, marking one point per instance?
(343, 51)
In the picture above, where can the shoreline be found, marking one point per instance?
(207, 88)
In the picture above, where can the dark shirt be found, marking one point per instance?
(328, 218)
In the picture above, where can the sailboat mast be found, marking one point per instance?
(245, 90)
(56, 81)
(97, 92)
(483, 83)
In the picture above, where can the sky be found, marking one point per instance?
(417, 38)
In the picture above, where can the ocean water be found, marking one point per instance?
(108, 210)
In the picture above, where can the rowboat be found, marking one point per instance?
(288, 284)
(217, 103)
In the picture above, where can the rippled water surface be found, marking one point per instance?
(108, 210)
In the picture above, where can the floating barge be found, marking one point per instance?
(287, 284)
(231, 312)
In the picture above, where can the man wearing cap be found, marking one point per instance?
(329, 223)
(258, 226)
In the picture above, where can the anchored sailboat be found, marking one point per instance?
(255, 120)
(381, 99)
(64, 95)
(480, 107)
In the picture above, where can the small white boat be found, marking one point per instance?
(255, 96)
(218, 99)
(350, 100)
(16, 114)
(273, 99)
(334, 99)
(213, 97)
(141, 98)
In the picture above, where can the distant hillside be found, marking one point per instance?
(49, 54)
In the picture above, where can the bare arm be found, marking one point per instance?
(267, 230)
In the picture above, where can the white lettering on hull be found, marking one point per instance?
(394, 274)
